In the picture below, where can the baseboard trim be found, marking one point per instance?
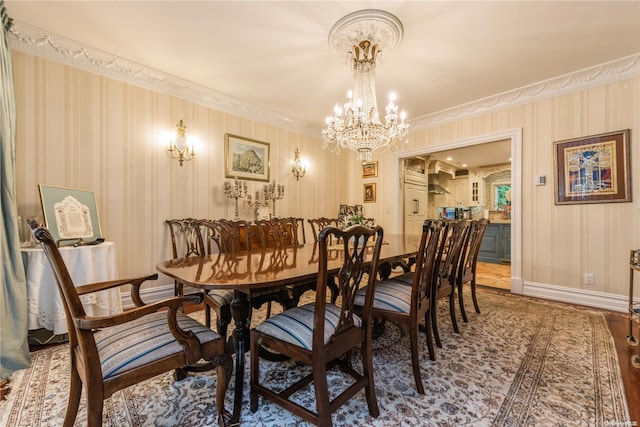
(594, 299)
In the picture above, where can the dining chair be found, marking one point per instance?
(467, 269)
(110, 353)
(187, 241)
(452, 245)
(212, 237)
(406, 306)
(322, 335)
(281, 235)
(317, 224)
(184, 243)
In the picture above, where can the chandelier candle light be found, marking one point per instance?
(362, 35)
(236, 191)
(273, 192)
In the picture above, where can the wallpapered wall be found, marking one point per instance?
(81, 130)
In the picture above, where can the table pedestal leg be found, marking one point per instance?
(240, 310)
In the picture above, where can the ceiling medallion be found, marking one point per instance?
(361, 37)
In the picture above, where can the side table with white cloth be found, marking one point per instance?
(86, 264)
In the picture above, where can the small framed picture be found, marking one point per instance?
(369, 193)
(370, 169)
(351, 210)
(593, 169)
(359, 210)
(343, 209)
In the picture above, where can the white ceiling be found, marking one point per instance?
(275, 54)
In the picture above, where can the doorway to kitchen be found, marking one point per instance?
(512, 227)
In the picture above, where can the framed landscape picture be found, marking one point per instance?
(370, 169)
(246, 158)
(70, 214)
(593, 169)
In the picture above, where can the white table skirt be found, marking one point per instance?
(86, 264)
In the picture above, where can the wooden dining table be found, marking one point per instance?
(262, 270)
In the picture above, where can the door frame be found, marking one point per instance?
(515, 135)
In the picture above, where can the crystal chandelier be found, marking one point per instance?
(358, 126)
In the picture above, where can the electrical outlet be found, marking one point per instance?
(588, 279)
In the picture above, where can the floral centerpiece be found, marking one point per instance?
(346, 221)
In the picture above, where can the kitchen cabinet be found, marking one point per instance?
(476, 191)
(496, 244)
(459, 192)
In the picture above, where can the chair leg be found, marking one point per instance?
(367, 369)
(255, 372)
(224, 369)
(75, 393)
(95, 402)
(473, 294)
(415, 358)
(323, 408)
(268, 314)
(452, 310)
(434, 322)
(427, 331)
(461, 303)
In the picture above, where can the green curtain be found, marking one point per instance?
(14, 346)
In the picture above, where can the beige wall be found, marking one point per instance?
(81, 130)
(559, 243)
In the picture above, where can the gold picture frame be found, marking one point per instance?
(370, 170)
(369, 193)
(246, 158)
(593, 169)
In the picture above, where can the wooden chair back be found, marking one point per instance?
(317, 224)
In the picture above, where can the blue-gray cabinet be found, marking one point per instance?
(496, 244)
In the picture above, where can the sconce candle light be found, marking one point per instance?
(297, 166)
(180, 148)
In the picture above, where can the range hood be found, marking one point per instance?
(434, 186)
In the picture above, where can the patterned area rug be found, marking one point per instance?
(522, 362)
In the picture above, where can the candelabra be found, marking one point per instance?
(273, 192)
(236, 191)
(256, 204)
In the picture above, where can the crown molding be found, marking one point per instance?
(616, 70)
(41, 43)
(38, 42)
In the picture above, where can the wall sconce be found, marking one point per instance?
(180, 148)
(297, 167)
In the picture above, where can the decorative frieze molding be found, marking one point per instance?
(44, 44)
(41, 43)
(609, 72)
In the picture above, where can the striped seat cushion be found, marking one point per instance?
(295, 325)
(390, 295)
(132, 344)
(221, 298)
(406, 278)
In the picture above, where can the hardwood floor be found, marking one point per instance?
(619, 326)
(498, 276)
